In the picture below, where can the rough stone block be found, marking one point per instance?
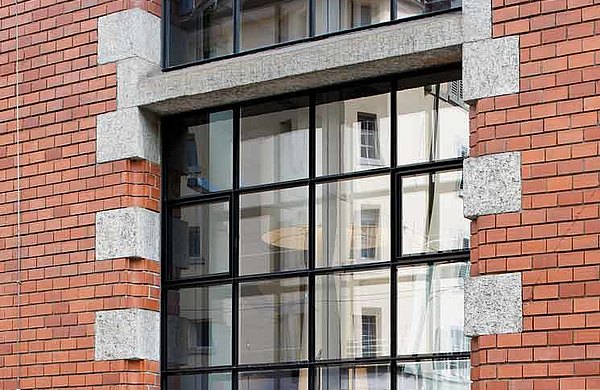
(129, 73)
(493, 304)
(477, 19)
(129, 33)
(491, 68)
(127, 334)
(128, 232)
(492, 184)
(127, 134)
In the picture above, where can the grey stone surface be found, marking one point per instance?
(477, 19)
(128, 232)
(491, 68)
(127, 134)
(130, 72)
(493, 304)
(129, 33)
(127, 334)
(412, 45)
(492, 184)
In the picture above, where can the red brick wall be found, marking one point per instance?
(554, 240)
(62, 89)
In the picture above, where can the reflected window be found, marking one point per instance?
(367, 377)
(433, 123)
(353, 315)
(273, 321)
(432, 213)
(274, 142)
(274, 380)
(269, 22)
(316, 241)
(430, 309)
(199, 327)
(353, 221)
(434, 375)
(200, 240)
(336, 15)
(200, 30)
(273, 231)
(353, 129)
(200, 155)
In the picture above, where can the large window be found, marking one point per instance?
(298, 260)
(199, 30)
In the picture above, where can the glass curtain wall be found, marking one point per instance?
(317, 242)
(199, 30)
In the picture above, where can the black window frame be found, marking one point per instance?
(396, 172)
(312, 35)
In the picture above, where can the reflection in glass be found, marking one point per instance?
(430, 309)
(337, 15)
(274, 380)
(269, 22)
(199, 327)
(199, 30)
(408, 8)
(212, 381)
(433, 123)
(371, 377)
(274, 142)
(274, 321)
(353, 221)
(432, 213)
(273, 231)
(200, 243)
(353, 129)
(200, 160)
(353, 314)
(434, 375)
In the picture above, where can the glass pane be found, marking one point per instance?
(199, 29)
(430, 309)
(214, 381)
(274, 231)
(372, 377)
(199, 240)
(353, 131)
(274, 321)
(274, 380)
(436, 375)
(199, 327)
(353, 315)
(432, 213)
(353, 221)
(274, 139)
(267, 22)
(433, 123)
(200, 159)
(337, 15)
(408, 8)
